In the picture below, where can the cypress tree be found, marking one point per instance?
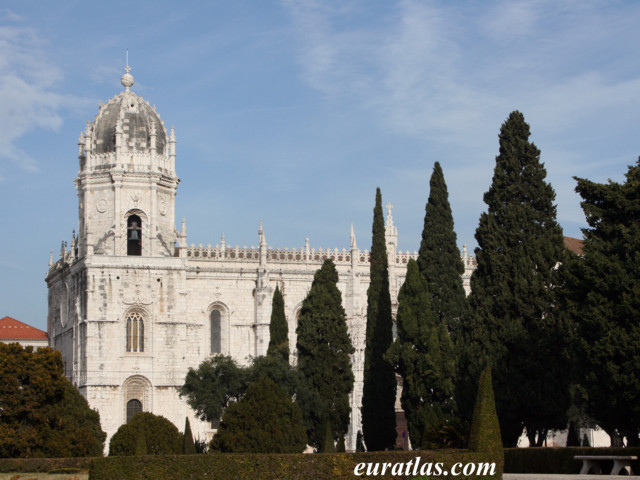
(278, 328)
(379, 388)
(603, 287)
(188, 447)
(514, 326)
(324, 347)
(439, 257)
(423, 356)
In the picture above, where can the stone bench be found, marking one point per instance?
(592, 463)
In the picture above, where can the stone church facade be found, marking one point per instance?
(132, 305)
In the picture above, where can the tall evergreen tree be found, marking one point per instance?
(514, 326)
(278, 328)
(603, 287)
(379, 388)
(439, 257)
(324, 347)
(188, 446)
(423, 356)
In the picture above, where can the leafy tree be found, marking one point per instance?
(423, 356)
(278, 369)
(210, 388)
(43, 414)
(514, 325)
(158, 435)
(439, 258)
(278, 328)
(265, 420)
(603, 294)
(324, 348)
(379, 388)
(188, 447)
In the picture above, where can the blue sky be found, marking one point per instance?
(293, 112)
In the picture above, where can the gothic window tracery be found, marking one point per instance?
(133, 406)
(216, 330)
(135, 332)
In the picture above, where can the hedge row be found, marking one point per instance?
(558, 460)
(44, 465)
(273, 466)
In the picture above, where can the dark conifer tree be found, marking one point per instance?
(188, 446)
(379, 388)
(514, 326)
(324, 347)
(603, 287)
(278, 328)
(439, 257)
(423, 356)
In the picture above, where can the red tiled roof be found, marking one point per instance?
(12, 329)
(573, 244)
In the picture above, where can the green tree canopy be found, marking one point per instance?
(379, 389)
(42, 413)
(439, 257)
(265, 420)
(324, 348)
(603, 293)
(159, 436)
(278, 328)
(515, 327)
(213, 385)
(423, 356)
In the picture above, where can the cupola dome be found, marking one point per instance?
(140, 125)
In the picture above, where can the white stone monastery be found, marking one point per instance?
(132, 306)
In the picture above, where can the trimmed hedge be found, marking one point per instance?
(44, 465)
(336, 466)
(558, 460)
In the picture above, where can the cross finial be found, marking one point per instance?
(127, 79)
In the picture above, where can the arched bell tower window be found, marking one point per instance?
(133, 406)
(135, 333)
(216, 331)
(134, 235)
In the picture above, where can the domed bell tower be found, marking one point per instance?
(127, 180)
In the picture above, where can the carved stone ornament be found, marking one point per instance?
(163, 208)
(102, 205)
(137, 297)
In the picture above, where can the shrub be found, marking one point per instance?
(264, 420)
(485, 428)
(336, 466)
(146, 433)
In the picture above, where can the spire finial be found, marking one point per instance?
(354, 245)
(127, 79)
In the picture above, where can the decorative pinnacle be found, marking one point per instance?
(353, 239)
(127, 79)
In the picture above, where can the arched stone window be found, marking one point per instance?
(135, 332)
(216, 330)
(133, 406)
(134, 235)
(218, 323)
(136, 396)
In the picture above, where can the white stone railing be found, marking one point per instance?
(286, 255)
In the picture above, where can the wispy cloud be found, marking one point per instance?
(27, 97)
